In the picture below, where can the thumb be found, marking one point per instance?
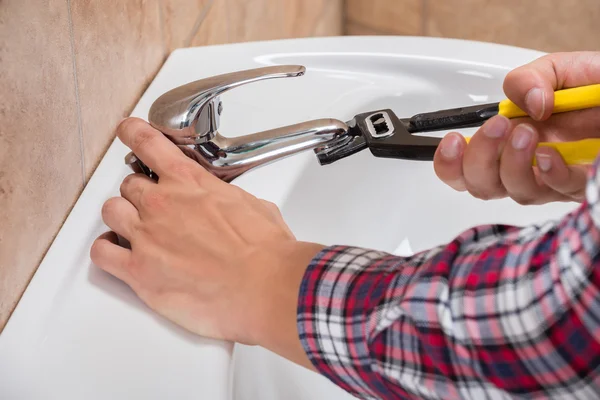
(532, 86)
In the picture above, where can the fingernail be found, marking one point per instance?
(450, 147)
(522, 136)
(535, 101)
(496, 127)
(544, 162)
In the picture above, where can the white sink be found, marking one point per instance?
(78, 333)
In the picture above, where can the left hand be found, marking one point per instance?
(497, 161)
(205, 254)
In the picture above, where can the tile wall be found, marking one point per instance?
(546, 25)
(70, 70)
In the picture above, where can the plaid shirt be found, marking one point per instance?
(500, 312)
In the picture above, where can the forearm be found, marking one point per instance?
(276, 325)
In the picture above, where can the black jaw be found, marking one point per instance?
(354, 143)
(389, 137)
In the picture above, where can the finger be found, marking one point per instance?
(570, 181)
(516, 171)
(134, 186)
(574, 125)
(481, 162)
(532, 86)
(447, 161)
(154, 149)
(570, 126)
(120, 216)
(109, 256)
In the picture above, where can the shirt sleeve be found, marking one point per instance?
(500, 312)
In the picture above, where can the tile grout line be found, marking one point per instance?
(324, 10)
(199, 22)
(163, 32)
(77, 100)
(424, 17)
(344, 17)
(228, 22)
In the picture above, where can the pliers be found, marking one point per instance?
(388, 136)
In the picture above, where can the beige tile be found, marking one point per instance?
(353, 29)
(214, 28)
(547, 25)
(397, 17)
(118, 48)
(252, 20)
(302, 18)
(331, 23)
(181, 18)
(40, 159)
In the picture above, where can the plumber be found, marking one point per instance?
(498, 312)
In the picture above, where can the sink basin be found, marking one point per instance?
(79, 333)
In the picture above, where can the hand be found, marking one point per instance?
(497, 161)
(204, 254)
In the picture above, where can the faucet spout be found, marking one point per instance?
(228, 158)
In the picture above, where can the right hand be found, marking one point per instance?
(497, 161)
(204, 254)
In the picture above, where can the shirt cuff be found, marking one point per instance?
(331, 317)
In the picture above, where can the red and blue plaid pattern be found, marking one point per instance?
(501, 312)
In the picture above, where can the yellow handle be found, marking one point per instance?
(579, 98)
(565, 100)
(580, 152)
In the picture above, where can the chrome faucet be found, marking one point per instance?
(189, 116)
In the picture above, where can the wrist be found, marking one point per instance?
(276, 298)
